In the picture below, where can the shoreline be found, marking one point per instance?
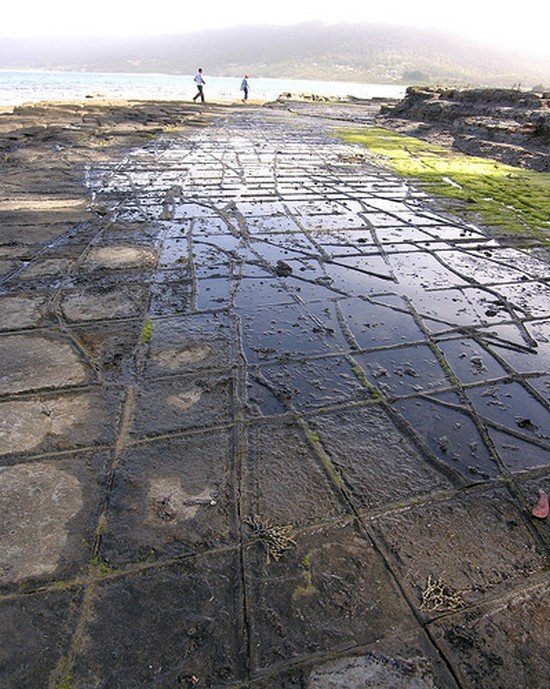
(116, 102)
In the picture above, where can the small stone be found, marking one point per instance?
(282, 269)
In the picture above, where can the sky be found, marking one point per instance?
(525, 28)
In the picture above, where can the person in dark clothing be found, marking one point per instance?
(244, 88)
(200, 82)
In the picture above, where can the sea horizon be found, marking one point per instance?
(30, 86)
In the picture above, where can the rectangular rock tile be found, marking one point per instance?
(21, 311)
(403, 370)
(170, 498)
(31, 233)
(373, 325)
(274, 223)
(261, 291)
(326, 317)
(131, 214)
(286, 482)
(314, 223)
(104, 302)
(56, 422)
(185, 211)
(171, 297)
(442, 540)
(346, 242)
(169, 626)
(480, 268)
(530, 298)
(174, 252)
(518, 454)
(213, 293)
(291, 242)
(456, 307)
(451, 232)
(311, 290)
(388, 230)
(130, 257)
(356, 283)
(525, 261)
(501, 645)
(451, 434)
(305, 268)
(35, 632)
(209, 226)
(190, 343)
(37, 361)
(208, 254)
(314, 383)
(287, 330)
(133, 232)
(522, 359)
(280, 250)
(369, 263)
(510, 405)
(406, 248)
(179, 404)
(510, 335)
(378, 463)
(470, 362)
(50, 511)
(328, 592)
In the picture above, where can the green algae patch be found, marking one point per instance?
(98, 568)
(509, 199)
(66, 680)
(308, 588)
(147, 331)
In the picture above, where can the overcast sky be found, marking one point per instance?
(524, 27)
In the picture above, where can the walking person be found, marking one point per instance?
(244, 88)
(200, 82)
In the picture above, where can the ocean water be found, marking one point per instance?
(17, 87)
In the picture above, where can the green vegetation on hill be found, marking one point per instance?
(509, 199)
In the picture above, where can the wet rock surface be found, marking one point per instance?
(505, 124)
(267, 420)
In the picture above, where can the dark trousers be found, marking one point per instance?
(200, 93)
(245, 94)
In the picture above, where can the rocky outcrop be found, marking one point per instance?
(309, 97)
(506, 124)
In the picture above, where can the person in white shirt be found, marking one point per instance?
(200, 82)
(244, 88)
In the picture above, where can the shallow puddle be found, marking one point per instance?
(511, 406)
(403, 370)
(470, 362)
(373, 325)
(451, 435)
(517, 454)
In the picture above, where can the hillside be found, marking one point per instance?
(375, 53)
